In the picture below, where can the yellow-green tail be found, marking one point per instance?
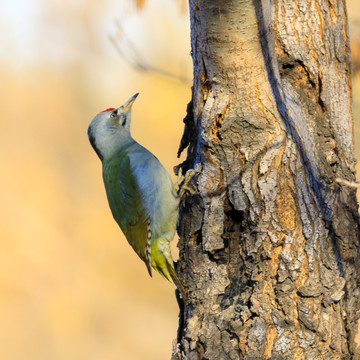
(176, 280)
(164, 266)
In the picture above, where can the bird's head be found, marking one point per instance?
(109, 131)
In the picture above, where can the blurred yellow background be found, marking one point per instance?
(70, 285)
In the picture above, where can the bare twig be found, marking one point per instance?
(347, 183)
(130, 54)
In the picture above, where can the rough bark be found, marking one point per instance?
(269, 245)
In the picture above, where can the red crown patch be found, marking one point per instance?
(106, 110)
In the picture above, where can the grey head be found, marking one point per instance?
(109, 131)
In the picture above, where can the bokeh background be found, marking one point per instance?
(70, 285)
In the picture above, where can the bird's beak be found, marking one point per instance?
(127, 106)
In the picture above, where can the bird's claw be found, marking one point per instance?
(182, 184)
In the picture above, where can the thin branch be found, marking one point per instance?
(347, 183)
(127, 50)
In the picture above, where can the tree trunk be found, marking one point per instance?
(269, 245)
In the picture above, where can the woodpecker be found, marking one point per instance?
(141, 195)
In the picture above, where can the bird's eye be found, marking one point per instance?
(114, 115)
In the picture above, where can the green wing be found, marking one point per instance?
(126, 205)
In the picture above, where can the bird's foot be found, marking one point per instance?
(182, 184)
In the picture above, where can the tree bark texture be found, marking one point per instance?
(269, 249)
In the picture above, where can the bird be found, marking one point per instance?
(142, 197)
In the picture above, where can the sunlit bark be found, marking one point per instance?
(269, 246)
